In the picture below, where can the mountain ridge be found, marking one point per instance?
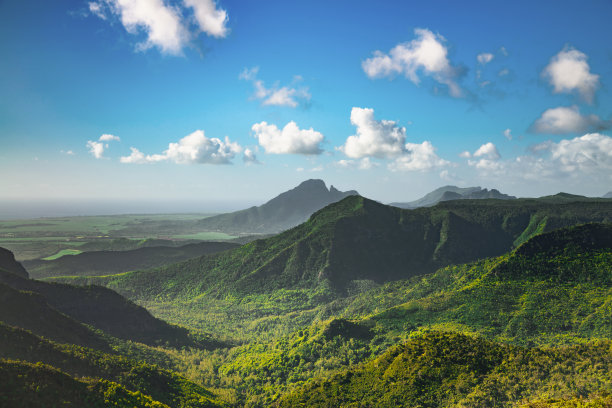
(284, 211)
(447, 193)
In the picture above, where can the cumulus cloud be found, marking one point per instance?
(418, 157)
(567, 120)
(484, 58)
(385, 139)
(426, 53)
(487, 150)
(508, 134)
(586, 153)
(488, 157)
(164, 25)
(568, 72)
(586, 158)
(194, 148)
(376, 138)
(109, 138)
(211, 20)
(249, 157)
(362, 164)
(97, 148)
(290, 140)
(275, 95)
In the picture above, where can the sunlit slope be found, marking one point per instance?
(357, 240)
(136, 379)
(449, 369)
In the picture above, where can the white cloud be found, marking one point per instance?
(249, 74)
(568, 71)
(484, 58)
(587, 153)
(164, 24)
(362, 164)
(465, 154)
(584, 159)
(211, 20)
(194, 148)
(161, 23)
(249, 157)
(489, 157)
(97, 9)
(487, 150)
(567, 120)
(418, 157)
(67, 152)
(275, 96)
(385, 139)
(426, 53)
(108, 138)
(508, 134)
(503, 72)
(290, 140)
(96, 149)
(376, 138)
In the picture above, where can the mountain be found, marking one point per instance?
(8, 263)
(282, 212)
(449, 369)
(552, 292)
(448, 193)
(607, 195)
(111, 262)
(37, 372)
(356, 241)
(97, 306)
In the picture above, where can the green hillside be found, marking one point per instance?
(41, 386)
(162, 385)
(358, 240)
(449, 369)
(106, 310)
(529, 298)
(30, 311)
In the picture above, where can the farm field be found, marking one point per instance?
(52, 238)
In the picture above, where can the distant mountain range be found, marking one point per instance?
(448, 193)
(282, 212)
(608, 195)
(357, 240)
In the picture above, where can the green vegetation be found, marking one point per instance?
(449, 369)
(112, 262)
(63, 252)
(468, 303)
(40, 238)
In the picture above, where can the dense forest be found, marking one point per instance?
(493, 303)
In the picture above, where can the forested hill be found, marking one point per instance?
(280, 213)
(358, 240)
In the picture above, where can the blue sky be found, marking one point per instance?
(228, 103)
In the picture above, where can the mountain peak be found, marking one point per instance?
(311, 184)
(284, 211)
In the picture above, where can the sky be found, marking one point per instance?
(221, 104)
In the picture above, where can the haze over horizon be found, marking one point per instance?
(221, 105)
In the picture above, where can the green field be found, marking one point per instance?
(61, 253)
(43, 238)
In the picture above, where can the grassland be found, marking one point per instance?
(49, 237)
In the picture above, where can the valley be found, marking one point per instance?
(463, 303)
